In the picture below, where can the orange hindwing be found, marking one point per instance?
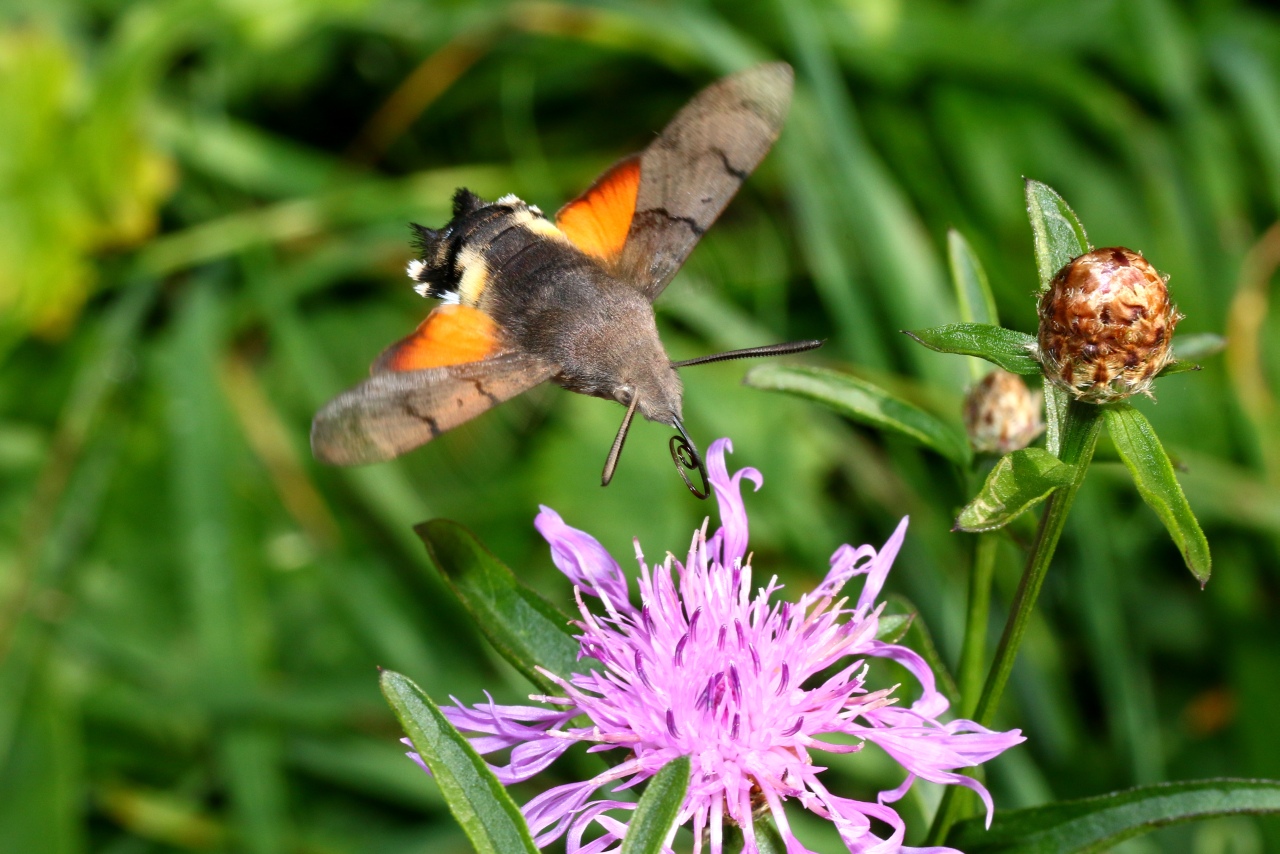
(451, 335)
(597, 222)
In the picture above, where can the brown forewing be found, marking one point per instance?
(691, 171)
(391, 413)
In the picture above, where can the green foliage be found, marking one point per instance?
(864, 402)
(1197, 346)
(1014, 351)
(475, 797)
(977, 304)
(524, 628)
(202, 239)
(78, 175)
(1152, 472)
(1059, 236)
(1098, 824)
(1018, 481)
(656, 813)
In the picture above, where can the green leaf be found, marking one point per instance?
(1152, 472)
(1187, 349)
(1011, 350)
(477, 800)
(864, 402)
(1198, 345)
(1018, 481)
(526, 630)
(1056, 403)
(1179, 367)
(768, 840)
(973, 292)
(892, 627)
(656, 813)
(1059, 236)
(223, 602)
(1099, 823)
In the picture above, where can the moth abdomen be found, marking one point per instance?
(493, 256)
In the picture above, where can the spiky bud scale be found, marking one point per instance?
(1106, 325)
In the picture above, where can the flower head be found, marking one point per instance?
(1106, 326)
(710, 667)
(1001, 414)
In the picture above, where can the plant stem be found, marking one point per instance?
(974, 649)
(1079, 438)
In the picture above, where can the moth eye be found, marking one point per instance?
(623, 395)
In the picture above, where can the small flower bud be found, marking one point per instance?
(1106, 325)
(1001, 414)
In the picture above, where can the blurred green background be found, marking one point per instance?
(203, 209)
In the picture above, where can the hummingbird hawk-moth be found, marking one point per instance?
(526, 299)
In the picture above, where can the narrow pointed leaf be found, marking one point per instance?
(1058, 234)
(866, 403)
(768, 840)
(526, 629)
(1014, 351)
(1152, 472)
(1056, 403)
(656, 813)
(973, 291)
(1098, 824)
(477, 800)
(1198, 345)
(1179, 367)
(1187, 349)
(1018, 481)
(892, 627)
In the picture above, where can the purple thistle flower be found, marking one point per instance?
(708, 670)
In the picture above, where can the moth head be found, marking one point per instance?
(432, 271)
(651, 388)
(658, 398)
(659, 394)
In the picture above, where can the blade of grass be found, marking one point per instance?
(217, 597)
(895, 245)
(1124, 678)
(973, 291)
(21, 638)
(41, 814)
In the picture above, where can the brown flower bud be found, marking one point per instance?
(1106, 325)
(1001, 414)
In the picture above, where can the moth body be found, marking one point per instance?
(525, 299)
(549, 298)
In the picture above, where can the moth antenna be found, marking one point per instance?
(752, 352)
(685, 455)
(615, 452)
